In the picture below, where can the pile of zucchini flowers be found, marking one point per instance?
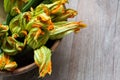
(32, 23)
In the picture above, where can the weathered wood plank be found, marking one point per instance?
(93, 48)
(117, 46)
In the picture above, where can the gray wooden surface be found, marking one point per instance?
(93, 53)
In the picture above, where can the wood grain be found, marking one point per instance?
(92, 54)
(96, 48)
(117, 46)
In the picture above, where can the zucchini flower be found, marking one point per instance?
(56, 10)
(18, 23)
(53, 8)
(33, 23)
(68, 13)
(40, 21)
(15, 26)
(42, 58)
(13, 46)
(63, 28)
(37, 37)
(6, 63)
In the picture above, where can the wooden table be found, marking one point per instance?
(93, 53)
